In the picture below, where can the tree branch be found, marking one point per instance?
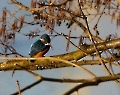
(93, 82)
(45, 63)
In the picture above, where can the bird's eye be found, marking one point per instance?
(42, 39)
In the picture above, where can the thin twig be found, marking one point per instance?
(17, 82)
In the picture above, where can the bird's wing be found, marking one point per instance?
(36, 47)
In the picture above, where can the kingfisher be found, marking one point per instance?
(40, 47)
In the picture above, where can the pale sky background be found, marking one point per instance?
(22, 44)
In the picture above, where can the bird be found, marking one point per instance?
(40, 47)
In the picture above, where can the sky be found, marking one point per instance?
(22, 44)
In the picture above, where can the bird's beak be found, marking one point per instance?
(49, 45)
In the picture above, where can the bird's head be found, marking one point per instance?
(45, 38)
